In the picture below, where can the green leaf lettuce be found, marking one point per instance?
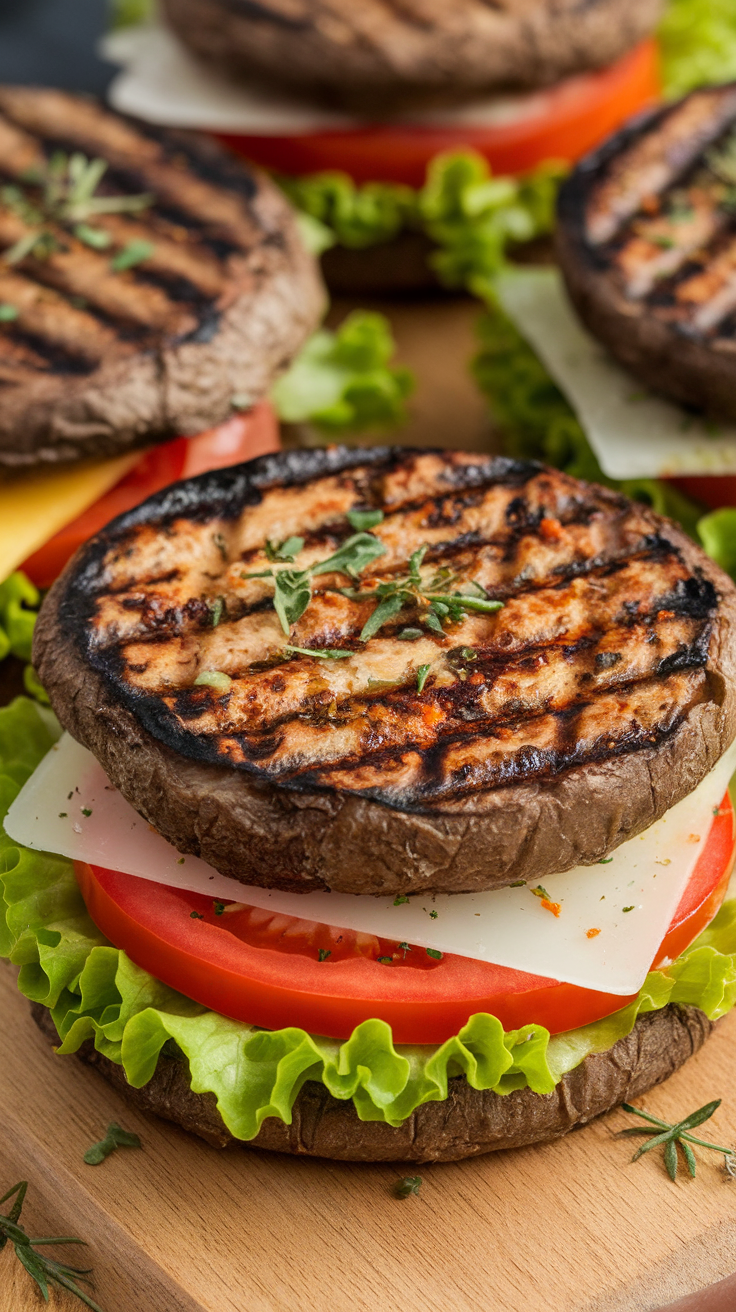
(95, 992)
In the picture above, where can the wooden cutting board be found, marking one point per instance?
(180, 1227)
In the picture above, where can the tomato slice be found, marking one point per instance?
(714, 490)
(241, 438)
(562, 122)
(276, 971)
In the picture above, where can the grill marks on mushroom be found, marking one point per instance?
(599, 650)
(662, 216)
(74, 311)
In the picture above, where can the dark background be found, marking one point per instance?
(52, 42)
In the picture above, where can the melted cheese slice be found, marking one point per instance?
(634, 433)
(631, 899)
(35, 506)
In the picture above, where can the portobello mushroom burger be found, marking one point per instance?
(390, 820)
(329, 94)
(152, 288)
(646, 240)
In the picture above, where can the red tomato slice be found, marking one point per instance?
(241, 438)
(563, 122)
(713, 491)
(265, 968)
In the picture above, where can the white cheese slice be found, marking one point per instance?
(163, 83)
(69, 807)
(634, 433)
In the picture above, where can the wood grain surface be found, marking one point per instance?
(570, 1227)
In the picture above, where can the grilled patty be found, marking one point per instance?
(454, 748)
(133, 326)
(647, 242)
(378, 56)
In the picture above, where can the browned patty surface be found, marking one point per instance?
(647, 242)
(543, 736)
(380, 55)
(469, 1122)
(94, 359)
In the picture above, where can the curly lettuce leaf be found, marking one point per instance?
(471, 216)
(95, 992)
(357, 216)
(345, 381)
(538, 422)
(717, 532)
(698, 44)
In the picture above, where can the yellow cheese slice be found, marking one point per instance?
(35, 506)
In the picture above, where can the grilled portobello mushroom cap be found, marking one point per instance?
(217, 296)
(504, 746)
(379, 57)
(467, 1123)
(646, 238)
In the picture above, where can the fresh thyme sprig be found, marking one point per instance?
(671, 1137)
(66, 198)
(44, 1270)
(292, 591)
(437, 605)
(433, 598)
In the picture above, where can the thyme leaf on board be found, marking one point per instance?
(46, 1271)
(671, 1137)
(115, 1137)
(410, 1184)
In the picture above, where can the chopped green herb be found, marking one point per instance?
(180, 862)
(411, 1184)
(404, 947)
(194, 915)
(114, 1138)
(384, 611)
(468, 654)
(85, 810)
(628, 908)
(354, 555)
(136, 252)
(540, 892)
(216, 611)
(518, 883)
(63, 815)
(410, 635)
(287, 551)
(323, 653)
(400, 899)
(216, 679)
(432, 952)
(605, 861)
(422, 673)
(221, 544)
(433, 915)
(219, 908)
(323, 954)
(363, 519)
(97, 238)
(385, 961)
(292, 594)
(8, 312)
